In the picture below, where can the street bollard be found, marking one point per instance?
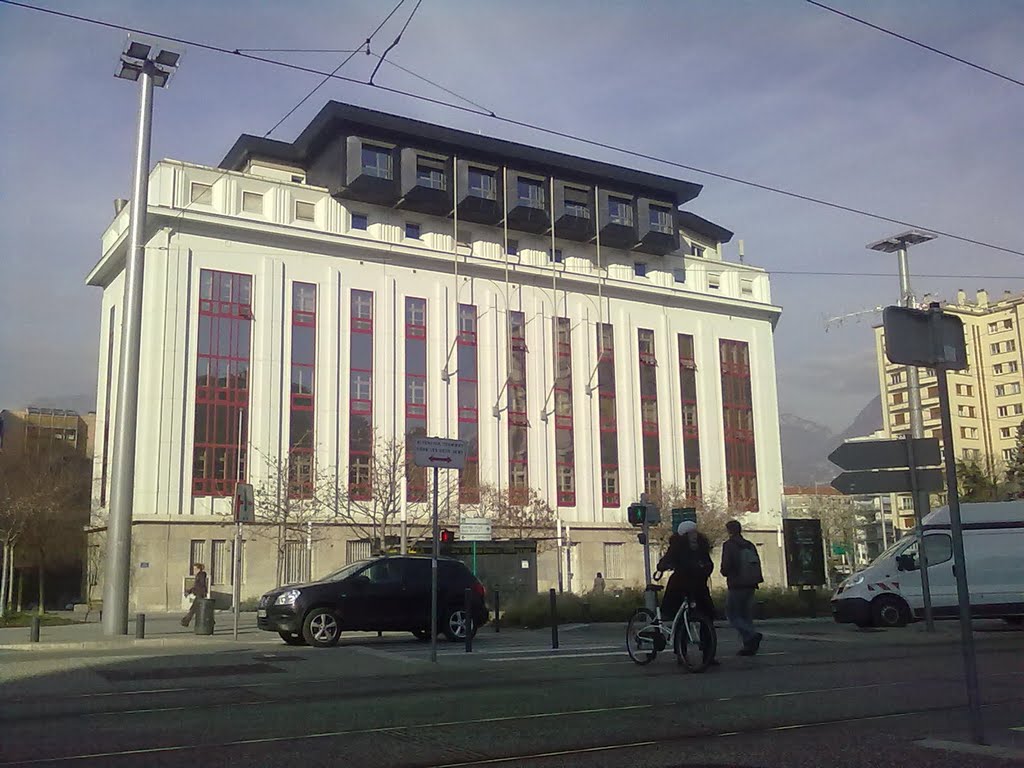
(554, 618)
(140, 626)
(467, 606)
(33, 632)
(586, 611)
(497, 611)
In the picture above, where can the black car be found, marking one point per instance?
(383, 593)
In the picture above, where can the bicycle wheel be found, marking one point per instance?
(641, 636)
(696, 653)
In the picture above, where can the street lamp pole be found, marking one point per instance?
(150, 64)
(899, 244)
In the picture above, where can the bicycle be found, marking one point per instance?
(691, 634)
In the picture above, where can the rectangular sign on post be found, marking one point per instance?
(805, 559)
(439, 452)
(924, 338)
(475, 529)
(887, 481)
(883, 454)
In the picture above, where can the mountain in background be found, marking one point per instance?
(807, 444)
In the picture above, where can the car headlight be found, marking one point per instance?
(853, 581)
(287, 598)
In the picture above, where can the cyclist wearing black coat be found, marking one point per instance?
(689, 559)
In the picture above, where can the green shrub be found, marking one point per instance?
(535, 611)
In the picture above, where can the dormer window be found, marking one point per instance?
(620, 211)
(661, 219)
(430, 173)
(576, 203)
(377, 161)
(482, 183)
(531, 192)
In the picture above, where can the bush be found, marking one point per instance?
(535, 611)
(248, 604)
(25, 619)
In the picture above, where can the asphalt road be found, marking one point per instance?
(817, 695)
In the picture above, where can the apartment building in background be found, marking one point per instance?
(986, 398)
(383, 278)
(35, 431)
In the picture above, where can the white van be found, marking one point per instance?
(888, 592)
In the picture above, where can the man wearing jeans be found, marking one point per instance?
(741, 567)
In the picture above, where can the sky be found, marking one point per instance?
(775, 91)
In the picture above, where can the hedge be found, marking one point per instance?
(535, 611)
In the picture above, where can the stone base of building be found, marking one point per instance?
(163, 552)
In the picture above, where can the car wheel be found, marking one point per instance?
(292, 639)
(321, 628)
(889, 611)
(421, 634)
(454, 624)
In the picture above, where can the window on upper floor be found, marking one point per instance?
(1002, 390)
(482, 183)
(577, 202)
(200, 193)
(556, 256)
(513, 247)
(697, 250)
(252, 202)
(377, 161)
(969, 432)
(360, 221)
(661, 219)
(1008, 454)
(966, 410)
(430, 173)
(895, 378)
(1001, 347)
(747, 287)
(412, 231)
(640, 269)
(714, 282)
(304, 211)
(966, 390)
(1005, 433)
(620, 211)
(530, 192)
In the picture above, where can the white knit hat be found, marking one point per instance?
(685, 527)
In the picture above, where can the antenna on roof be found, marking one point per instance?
(741, 251)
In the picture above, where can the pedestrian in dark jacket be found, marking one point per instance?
(199, 589)
(741, 567)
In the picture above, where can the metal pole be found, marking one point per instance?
(553, 599)
(119, 523)
(474, 558)
(959, 560)
(568, 559)
(236, 550)
(921, 554)
(433, 578)
(467, 608)
(558, 559)
(921, 501)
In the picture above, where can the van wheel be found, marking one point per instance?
(889, 611)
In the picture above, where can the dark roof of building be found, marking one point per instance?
(695, 223)
(430, 136)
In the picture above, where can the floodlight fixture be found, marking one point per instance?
(156, 58)
(901, 241)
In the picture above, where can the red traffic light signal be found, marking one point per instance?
(447, 537)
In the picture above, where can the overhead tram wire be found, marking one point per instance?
(540, 129)
(918, 43)
(397, 40)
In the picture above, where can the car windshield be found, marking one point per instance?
(895, 548)
(345, 572)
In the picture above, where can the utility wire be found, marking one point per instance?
(398, 39)
(347, 59)
(540, 129)
(918, 43)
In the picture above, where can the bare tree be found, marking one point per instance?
(713, 512)
(13, 519)
(290, 502)
(518, 515)
(373, 506)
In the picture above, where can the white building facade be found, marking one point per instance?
(382, 278)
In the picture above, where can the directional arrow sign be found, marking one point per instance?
(882, 454)
(439, 452)
(887, 481)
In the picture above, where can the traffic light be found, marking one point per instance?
(446, 538)
(642, 512)
(636, 514)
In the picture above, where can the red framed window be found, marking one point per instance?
(222, 382)
(691, 427)
(468, 405)
(301, 434)
(518, 422)
(360, 438)
(649, 411)
(607, 418)
(565, 463)
(738, 419)
(415, 393)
